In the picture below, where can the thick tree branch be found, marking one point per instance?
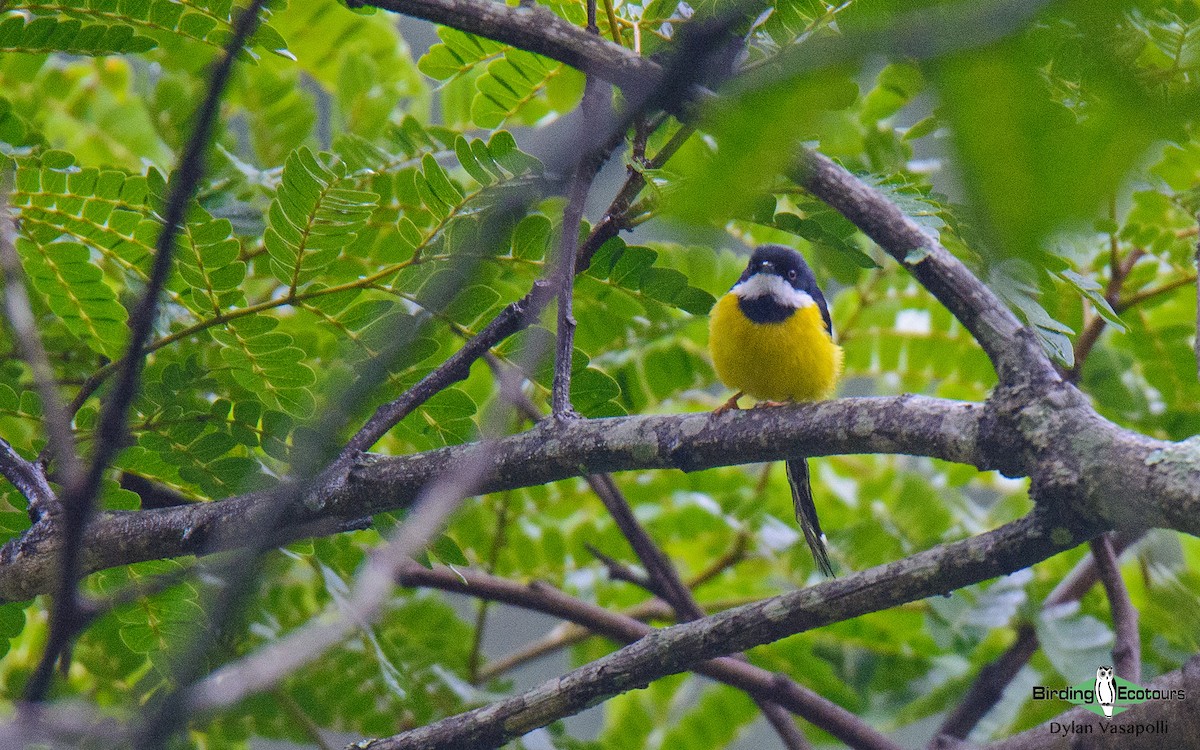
(914, 425)
(1079, 461)
(672, 650)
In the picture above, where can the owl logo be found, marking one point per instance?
(1106, 692)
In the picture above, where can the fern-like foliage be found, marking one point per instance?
(107, 27)
(510, 84)
(69, 35)
(312, 219)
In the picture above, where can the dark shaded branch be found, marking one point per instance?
(595, 100)
(759, 683)
(1127, 644)
(27, 478)
(80, 496)
(665, 582)
(664, 652)
(457, 367)
(988, 688)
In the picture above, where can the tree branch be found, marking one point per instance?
(594, 96)
(1127, 480)
(1011, 547)
(1127, 647)
(547, 453)
(759, 683)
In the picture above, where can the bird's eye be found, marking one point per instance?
(792, 274)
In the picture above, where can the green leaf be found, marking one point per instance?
(1095, 294)
(445, 549)
(74, 290)
(1033, 164)
(312, 219)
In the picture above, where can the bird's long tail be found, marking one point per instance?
(806, 513)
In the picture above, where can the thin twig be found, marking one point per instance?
(1147, 294)
(498, 541)
(79, 497)
(581, 183)
(1119, 271)
(303, 720)
(1127, 649)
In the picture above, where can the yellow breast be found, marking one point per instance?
(795, 360)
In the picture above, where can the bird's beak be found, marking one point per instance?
(766, 266)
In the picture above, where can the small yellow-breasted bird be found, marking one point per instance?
(771, 338)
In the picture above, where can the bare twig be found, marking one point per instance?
(1117, 274)
(1127, 648)
(79, 497)
(581, 183)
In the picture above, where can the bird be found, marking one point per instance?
(1105, 692)
(771, 338)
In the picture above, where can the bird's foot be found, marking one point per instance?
(731, 404)
(769, 404)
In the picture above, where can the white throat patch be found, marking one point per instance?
(770, 285)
